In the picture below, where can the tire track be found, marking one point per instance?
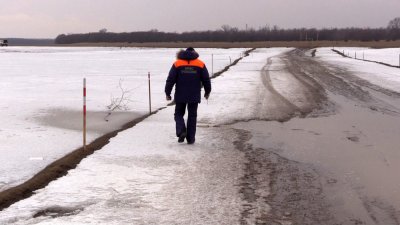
(280, 99)
(279, 104)
(279, 191)
(298, 194)
(339, 81)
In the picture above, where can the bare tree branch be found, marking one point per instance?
(119, 103)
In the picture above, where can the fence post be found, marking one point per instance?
(212, 64)
(84, 113)
(149, 93)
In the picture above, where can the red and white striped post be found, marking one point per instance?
(212, 64)
(149, 92)
(84, 113)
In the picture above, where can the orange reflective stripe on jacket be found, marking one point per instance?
(196, 62)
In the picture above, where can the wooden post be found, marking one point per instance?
(84, 113)
(212, 64)
(363, 56)
(149, 93)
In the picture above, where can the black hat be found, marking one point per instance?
(190, 49)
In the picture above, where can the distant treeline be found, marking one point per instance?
(28, 42)
(232, 34)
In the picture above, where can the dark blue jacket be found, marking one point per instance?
(188, 74)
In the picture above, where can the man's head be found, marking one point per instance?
(188, 54)
(190, 49)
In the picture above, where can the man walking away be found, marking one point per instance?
(189, 74)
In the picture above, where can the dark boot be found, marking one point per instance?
(182, 137)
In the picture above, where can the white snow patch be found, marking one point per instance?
(385, 55)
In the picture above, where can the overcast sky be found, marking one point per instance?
(48, 18)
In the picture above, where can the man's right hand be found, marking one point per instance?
(206, 96)
(168, 98)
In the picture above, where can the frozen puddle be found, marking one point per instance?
(97, 121)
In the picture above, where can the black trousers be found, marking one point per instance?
(190, 128)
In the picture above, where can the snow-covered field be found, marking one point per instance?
(141, 164)
(386, 55)
(387, 77)
(41, 97)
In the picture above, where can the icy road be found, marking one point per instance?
(286, 138)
